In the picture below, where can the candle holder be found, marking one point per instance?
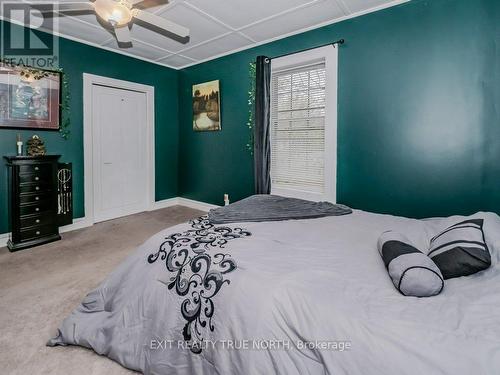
(19, 144)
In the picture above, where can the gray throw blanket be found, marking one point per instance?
(259, 208)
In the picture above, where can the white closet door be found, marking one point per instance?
(119, 152)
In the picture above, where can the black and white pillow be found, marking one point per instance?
(461, 249)
(412, 272)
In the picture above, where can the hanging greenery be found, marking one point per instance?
(251, 105)
(65, 107)
(29, 73)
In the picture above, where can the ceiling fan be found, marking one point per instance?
(118, 14)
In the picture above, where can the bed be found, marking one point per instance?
(288, 297)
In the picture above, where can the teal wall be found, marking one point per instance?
(76, 59)
(419, 122)
(419, 102)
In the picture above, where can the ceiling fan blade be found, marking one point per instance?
(123, 34)
(161, 23)
(76, 6)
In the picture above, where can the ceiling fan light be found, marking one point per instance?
(116, 13)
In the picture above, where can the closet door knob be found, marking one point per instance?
(37, 209)
(37, 178)
(37, 232)
(37, 221)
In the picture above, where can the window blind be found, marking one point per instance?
(298, 106)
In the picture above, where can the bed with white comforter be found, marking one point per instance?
(290, 297)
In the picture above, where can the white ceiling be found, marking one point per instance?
(218, 27)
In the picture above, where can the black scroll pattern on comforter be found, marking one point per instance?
(198, 274)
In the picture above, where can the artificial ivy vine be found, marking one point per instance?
(65, 107)
(251, 105)
(28, 72)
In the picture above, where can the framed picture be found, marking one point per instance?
(206, 107)
(29, 98)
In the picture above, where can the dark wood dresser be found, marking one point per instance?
(33, 200)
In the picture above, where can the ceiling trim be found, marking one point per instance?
(230, 31)
(303, 30)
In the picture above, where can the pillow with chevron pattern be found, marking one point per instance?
(460, 250)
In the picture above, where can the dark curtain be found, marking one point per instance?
(262, 145)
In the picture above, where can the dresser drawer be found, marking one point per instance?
(35, 178)
(34, 209)
(36, 220)
(42, 169)
(35, 188)
(34, 198)
(38, 232)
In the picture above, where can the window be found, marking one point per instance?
(304, 124)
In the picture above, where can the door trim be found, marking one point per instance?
(88, 81)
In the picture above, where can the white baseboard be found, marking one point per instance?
(197, 205)
(4, 238)
(83, 222)
(164, 204)
(79, 223)
(180, 201)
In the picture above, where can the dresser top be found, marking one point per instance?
(14, 158)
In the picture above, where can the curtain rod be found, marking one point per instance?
(340, 41)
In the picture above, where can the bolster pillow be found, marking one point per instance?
(412, 272)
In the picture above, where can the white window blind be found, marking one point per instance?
(298, 108)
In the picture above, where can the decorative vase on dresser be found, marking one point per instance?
(33, 203)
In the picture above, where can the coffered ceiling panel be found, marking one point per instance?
(140, 49)
(354, 6)
(217, 27)
(76, 28)
(176, 61)
(239, 13)
(313, 14)
(219, 46)
(202, 27)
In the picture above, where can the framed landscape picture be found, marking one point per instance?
(29, 98)
(206, 107)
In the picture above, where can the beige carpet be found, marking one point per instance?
(39, 287)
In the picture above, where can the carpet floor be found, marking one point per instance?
(39, 287)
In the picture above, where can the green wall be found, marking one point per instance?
(76, 59)
(418, 129)
(419, 122)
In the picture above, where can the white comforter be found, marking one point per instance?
(318, 281)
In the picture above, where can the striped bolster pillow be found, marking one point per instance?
(461, 249)
(412, 272)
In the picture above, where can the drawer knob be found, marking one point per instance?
(37, 198)
(37, 178)
(37, 188)
(37, 221)
(37, 169)
(37, 209)
(37, 232)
